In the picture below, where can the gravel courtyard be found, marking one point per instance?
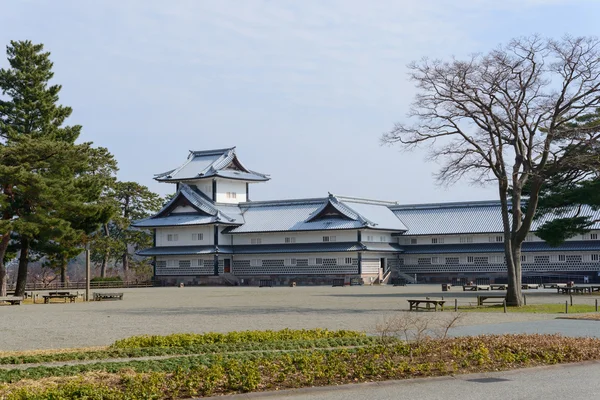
(203, 309)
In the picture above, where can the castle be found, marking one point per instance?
(210, 232)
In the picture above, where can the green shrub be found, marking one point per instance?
(191, 339)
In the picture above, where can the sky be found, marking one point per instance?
(303, 88)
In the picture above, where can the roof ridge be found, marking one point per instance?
(417, 206)
(211, 152)
(264, 203)
(351, 199)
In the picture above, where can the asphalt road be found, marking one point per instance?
(569, 381)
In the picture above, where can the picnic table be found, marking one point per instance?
(554, 285)
(530, 286)
(13, 300)
(577, 289)
(60, 295)
(107, 296)
(475, 287)
(415, 303)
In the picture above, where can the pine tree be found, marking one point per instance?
(50, 185)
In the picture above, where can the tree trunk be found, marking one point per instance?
(106, 254)
(3, 277)
(23, 262)
(125, 263)
(513, 265)
(63, 272)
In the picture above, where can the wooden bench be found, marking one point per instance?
(475, 287)
(107, 296)
(60, 295)
(265, 283)
(337, 282)
(501, 286)
(13, 300)
(530, 286)
(415, 303)
(492, 299)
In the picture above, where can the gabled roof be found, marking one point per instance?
(207, 211)
(464, 217)
(330, 213)
(211, 163)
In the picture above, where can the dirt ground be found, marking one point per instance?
(221, 309)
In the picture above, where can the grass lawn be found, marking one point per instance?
(530, 308)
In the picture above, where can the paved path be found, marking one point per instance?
(569, 381)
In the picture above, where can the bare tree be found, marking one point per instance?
(506, 117)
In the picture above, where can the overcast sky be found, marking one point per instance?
(303, 88)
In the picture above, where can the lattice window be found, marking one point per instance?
(595, 257)
(329, 238)
(319, 261)
(437, 240)
(255, 262)
(348, 261)
(452, 260)
(470, 259)
(435, 260)
(593, 236)
(562, 258)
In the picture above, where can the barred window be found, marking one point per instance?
(318, 261)
(197, 236)
(348, 260)
(437, 240)
(290, 239)
(172, 237)
(466, 239)
(523, 258)
(562, 257)
(593, 236)
(595, 257)
(470, 259)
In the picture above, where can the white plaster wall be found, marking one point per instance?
(226, 185)
(183, 209)
(301, 237)
(377, 236)
(185, 236)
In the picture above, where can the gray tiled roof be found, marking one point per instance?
(183, 250)
(299, 215)
(205, 164)
(570, 245)
(298, 248)
(383, 247)
(209, 212)
(457, 218)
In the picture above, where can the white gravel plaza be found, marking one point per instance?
(221, 309)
